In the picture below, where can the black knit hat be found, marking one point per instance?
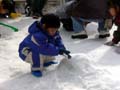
(51, 21)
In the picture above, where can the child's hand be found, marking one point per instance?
(63, 51)
(66, 52)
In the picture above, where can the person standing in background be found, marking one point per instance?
(114, 10)
(37, 7)
(28, 7)
(86, 11)
(8, 5)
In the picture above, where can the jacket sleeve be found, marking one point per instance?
(45, 48)
(59, 42)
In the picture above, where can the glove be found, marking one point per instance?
(63, 51)
(66, 52)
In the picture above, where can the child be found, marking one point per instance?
(42, 44)
(115, 12)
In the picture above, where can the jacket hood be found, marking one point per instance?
(34, 28)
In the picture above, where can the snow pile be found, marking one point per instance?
(78, 73)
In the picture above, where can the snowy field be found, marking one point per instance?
(94, 66)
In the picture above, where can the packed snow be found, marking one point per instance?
(93, 66)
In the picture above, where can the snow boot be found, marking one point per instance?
(37, 73)
(80, 35)
(104, 34)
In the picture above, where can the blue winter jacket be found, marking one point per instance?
(46, 44)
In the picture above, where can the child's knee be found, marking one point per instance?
(28, 58)
(25, 54)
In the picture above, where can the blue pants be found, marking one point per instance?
(79, 24)
(35, 58)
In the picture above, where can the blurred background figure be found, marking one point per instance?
(28, 8)
(9, 7)
(67, 22)
(83, 12)
(37, 7)
(67, 0)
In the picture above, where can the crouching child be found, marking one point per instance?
(42, 44)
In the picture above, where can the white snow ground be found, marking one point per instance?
(94, 66)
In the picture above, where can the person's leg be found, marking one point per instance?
(67, 0)
(44, 61)
(33, 6)
(38, 6)
(27, 10)
(103, 32)
(30, 54)
(49, 60)
(35, 9)
(41, 6)
(32, 57)
(116, 36)
(78, 27)
(36, 61)
(67, 24)
(37, 64)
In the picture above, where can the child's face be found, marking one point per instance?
(52, 31)
(112, 12)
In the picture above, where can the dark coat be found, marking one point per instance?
(29, 2)
(38, 5)
(88, 9)
(117, 20)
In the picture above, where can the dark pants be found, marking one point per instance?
(37, 6)
(67, 24)
(28, 7)
(116, 36)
